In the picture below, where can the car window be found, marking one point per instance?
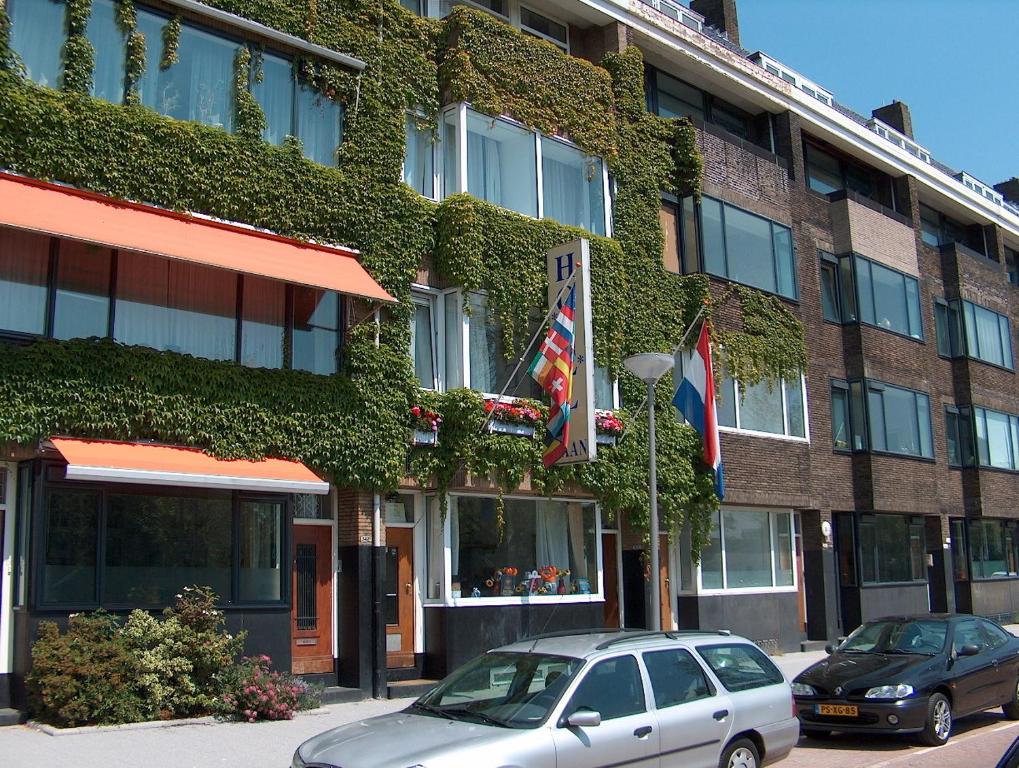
(676, 677)
(968, 632)
(612, 688)
(740, 667)
(922, 636)
(996, 636)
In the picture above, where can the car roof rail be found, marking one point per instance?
(671, 634)
(571, 633)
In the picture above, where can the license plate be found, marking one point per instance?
(838, 710)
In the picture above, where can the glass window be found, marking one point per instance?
(157, 544)
(988, 335)
(748, 247)
(82, 304)
(489, 366)
(319, 124)
(501, 164)
(422, 342)
(747, 543)
(847, 290)
(997, 439)
(732, 119)
(960, 557)
(941, 328)
(930, 226)
(419, 163)
(688, 228)
(830, 291)
(261, 551)
(604, 389)
(782, 541)
(677, 99)
(712, 237)
(572, 186)
(450, 154)
(263, 322)
(773, 407)
(711, 556)
(888, 299)
(668, 217)
(899, 421)
(676, 678)
(857, 413)
(200, 85)
(824, 173)
(316, 329)
(891, 549)
(740, 666)
(612, 688)
(312, 506)
(24, 267)
(1012, 265)
(551, 545)
(992, 546)
(544, 27)
(109, 51)
(959, 437)
(70, 541)
(37, 35)
(996, 636)
(176, 306)
(274, 92)
(840, 430)
(761, 409)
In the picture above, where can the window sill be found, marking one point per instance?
(747, 591)
(480, 602)
(894, 455)
(767, 435)
(895, 584)
(881, 328)
(794, 300)
(993, 578)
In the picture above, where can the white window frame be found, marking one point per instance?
(785, 414)
(519, 24)
(7, 565)
(425, 295)
(436, 160)
(447, 600)
(435, 9)
(725, 590)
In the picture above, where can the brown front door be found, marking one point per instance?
(610, 578)
(399, 597)
(311, 612)
(664, 585)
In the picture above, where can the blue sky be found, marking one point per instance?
(954, 64)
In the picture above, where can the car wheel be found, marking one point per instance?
(741, 753)
(938, 727)
(1011, 707)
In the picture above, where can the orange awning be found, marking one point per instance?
(148, 464)
(53, 209)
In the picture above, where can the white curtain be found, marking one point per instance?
(484, 346)
(564, 189)
(484, 168)
(436, 549)
(552, 546)
(575, 515)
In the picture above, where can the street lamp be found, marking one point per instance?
(649, 368)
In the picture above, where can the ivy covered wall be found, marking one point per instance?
(353, 426)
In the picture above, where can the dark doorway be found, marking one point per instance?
(634, 590)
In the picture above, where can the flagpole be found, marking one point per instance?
(678, 347)
(541, 328)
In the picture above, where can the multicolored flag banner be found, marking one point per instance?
(553, 370)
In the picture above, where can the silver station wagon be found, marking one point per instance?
(584, 700)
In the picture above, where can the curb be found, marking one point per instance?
(84, 730)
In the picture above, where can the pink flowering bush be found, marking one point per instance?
(607, 423)
(256, 692)
(516, 412)
(424, 420)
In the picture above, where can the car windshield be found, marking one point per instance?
(922, 637)
(511, 690)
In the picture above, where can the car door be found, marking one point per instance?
(693, 718)
(974, 679)
(628, 733)
(1006, 659)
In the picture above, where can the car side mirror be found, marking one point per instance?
(830, 648)
(968, 650)
(584, 718)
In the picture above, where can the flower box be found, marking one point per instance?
(509, 428)
(605, 439)
(425, 437)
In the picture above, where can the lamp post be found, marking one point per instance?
(649, 368)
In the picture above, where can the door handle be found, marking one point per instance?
(644, 730)
(721, 714)
(407, 588)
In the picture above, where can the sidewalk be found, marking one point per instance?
(217, 745)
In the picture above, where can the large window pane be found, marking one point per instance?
(490, 368)
(70, 545)
(316, 330)
(992, 549)
(913, 308)
(37, 35)
(423, 345)
(725, 405)
(998, 440)
(263, 326)
(829, 292)
(109, 51)
(747, 549)
(176, 306)
(865, 289)
(604, 389)
(711, 556)
(502, 164)
(840, 419)
(319, 124)
(794, 408)
(677, 99)
(761, 409)
(275, 94)
(987, 335)
(572, 186)
(535, 534)
(199, 86)
(847, 289)
(785, 264)
(712, 239)
(155, 545)
(823, 172)
(261, 551)
(888, 299)
(748, 248)
(941, 329)
(82, 305)
(419, 165)
(675, 677)
(886, 549)
(24, 265)
(668, 217)
(781, 536)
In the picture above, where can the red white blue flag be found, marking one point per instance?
(553, 370)
(695, 399)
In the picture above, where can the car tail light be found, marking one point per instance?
(793, 701)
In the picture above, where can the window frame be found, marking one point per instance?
(875, 386)
(434, 299)
(979, 413)
(848, 270)
(787, 434)
(773, 589)
(1006, 529)
(846, 166)
(912, 522)
(563, 45)
(416, 116)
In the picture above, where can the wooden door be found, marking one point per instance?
(664, 583)
(311, 612)
(610, 579)
(399, 597)
(801, 588)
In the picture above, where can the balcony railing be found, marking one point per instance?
(677, 12)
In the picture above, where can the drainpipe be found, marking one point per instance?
(379, 687)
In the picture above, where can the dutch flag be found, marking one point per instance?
(695, 399)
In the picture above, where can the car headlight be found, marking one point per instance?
(899, 691)
(802, 689)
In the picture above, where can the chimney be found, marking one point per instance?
(720, 14)
(1009, 189)
(896, 115)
